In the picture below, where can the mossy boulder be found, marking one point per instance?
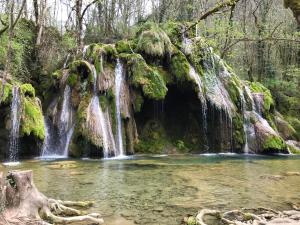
(125, 46)
(154, 42)
(179, 66)
(32, 121)
(27, 90)
(268, 139)
(274, 143)
(287, 132)
(143, 76)
(295, 123)
(153, 138)
(268, 102)
(80, 71)
(6, 94)
(238, 131)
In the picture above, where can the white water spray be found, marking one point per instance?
(15, 125)
(118, 85)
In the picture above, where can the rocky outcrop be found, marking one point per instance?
(32, 131)
(177, 96)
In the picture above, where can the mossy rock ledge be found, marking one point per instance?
(172, 101)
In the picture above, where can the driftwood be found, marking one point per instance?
(21, 203)
(255, 216)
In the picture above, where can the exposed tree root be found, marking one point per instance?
(23, 204)
(251, 216)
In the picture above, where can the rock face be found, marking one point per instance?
(177, 95)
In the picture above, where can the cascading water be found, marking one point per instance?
(65, 131)
(46, 149)
(15, 125)
(195, 76)
(67, 60)
(118, 85)
(245, 123)
(97, 122)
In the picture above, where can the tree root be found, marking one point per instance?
(252, 216)
(25, 205)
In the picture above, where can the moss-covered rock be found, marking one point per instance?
(79, 71)
(179, 66)
(153, 139)
(274, 143)
(143, 76)
(268, 102)
(27, 90)
(6, 94)
(153, 41)
(32, 121)
(125, 46)
(295, 123)
(238, 131)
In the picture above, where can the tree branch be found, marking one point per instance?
(217, 8)
(86, 8)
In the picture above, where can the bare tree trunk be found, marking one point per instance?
(36, 11)
(10, 37)
(78, 8)
(41, 22)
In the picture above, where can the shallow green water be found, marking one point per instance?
(162, 190)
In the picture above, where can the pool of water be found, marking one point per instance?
(163, 189)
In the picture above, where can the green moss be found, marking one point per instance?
(257, 87)
(180, 66)
(32, 121)
(7, 93)
(294, 150)
(110, 50)
(191, 221)
(234, 92)
(83, 69)
(72, 80)
(124, 46)
(199, 55)
(27, 90)
(142, 75)
(274, 143)
(295, 122)
(238, 131)
(80, 128)
(138, 103)
(153, 138)
(153, 41)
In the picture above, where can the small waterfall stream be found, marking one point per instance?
(15, 125)
(118, 85)
(195, 76)
(99, 118)
(52, 149)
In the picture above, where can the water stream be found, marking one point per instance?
(15, 115)
(118, 85)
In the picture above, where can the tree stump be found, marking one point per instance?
(21, 203)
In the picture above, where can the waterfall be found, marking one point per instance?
(118, 85)
(195, 76)
(245, 123)
(46, 149)
(84, 51)
(97, 121)
(15, 125)
(67, 60)
(56, 145)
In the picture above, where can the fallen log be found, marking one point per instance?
(21, 203)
